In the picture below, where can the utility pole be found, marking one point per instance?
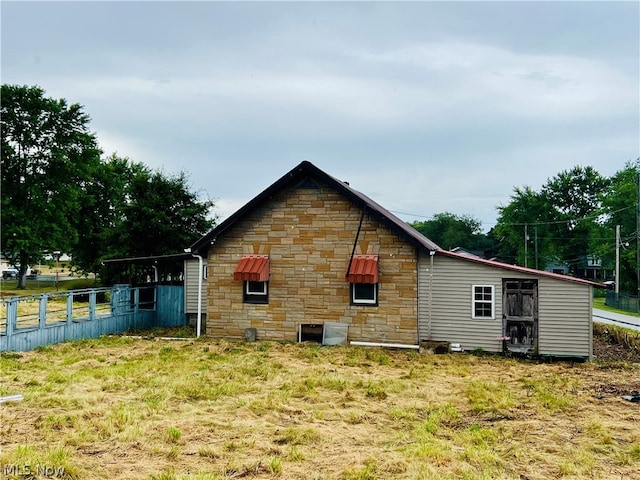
(617, 274)
(536, 245)
(526, 238)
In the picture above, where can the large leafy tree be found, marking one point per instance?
(134, 211)
(449, 230)
(563, 221)
(59, 195)
(49, 157)
(155, 214)
(575, 197)
(620, 208)
(525, 228)
(100, 212)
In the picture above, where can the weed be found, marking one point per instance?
(552, 393)
(208, 452)
(274, 465)
(173, 435)
(378, 356)
(375, 390)
(297, 436)
(166, 475)
(55, 461)
(488, 396)
(294, 454)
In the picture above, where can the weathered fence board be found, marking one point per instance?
(121, 308)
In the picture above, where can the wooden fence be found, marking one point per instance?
(33, 321)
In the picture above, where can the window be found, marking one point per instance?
(482, 301)
(364, 293)
(363, 279)
(253, 270)
(256, 292)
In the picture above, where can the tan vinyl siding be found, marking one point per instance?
(451, 303)
(565, 318)
(564, 308)
(191, 287)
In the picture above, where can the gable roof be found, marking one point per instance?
(306, 170)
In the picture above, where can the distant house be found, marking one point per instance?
(557, 267)
(468, 253)
(310, 253)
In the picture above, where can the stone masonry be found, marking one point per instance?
(309, 234)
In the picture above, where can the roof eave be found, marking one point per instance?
(517, 268)
(307, 168)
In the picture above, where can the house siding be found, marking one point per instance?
(309, 235)
(565, 325)
(564, 308)
(451, 303)
(191, 272)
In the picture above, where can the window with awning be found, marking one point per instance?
(363, 279)
(252, 268)
(253, 271)
(363, 269)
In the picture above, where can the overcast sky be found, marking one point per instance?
(427, 107)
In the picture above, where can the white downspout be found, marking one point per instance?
(431, 255)
(200, 273)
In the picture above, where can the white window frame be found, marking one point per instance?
(364, 301)
(255, 292)
(474, 302)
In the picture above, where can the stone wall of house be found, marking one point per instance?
(309, 235)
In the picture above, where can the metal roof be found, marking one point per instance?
(517, 268)
(308, 170)
(363, 269)
(252, 268)
(149, 260)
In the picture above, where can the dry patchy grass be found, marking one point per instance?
(119, 408)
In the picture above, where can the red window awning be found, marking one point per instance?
(252, 268)
(363, 269)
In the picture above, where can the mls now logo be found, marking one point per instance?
(47, 471)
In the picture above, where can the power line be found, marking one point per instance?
(552, 222)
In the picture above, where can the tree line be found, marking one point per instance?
(568, 223)
(61, 194)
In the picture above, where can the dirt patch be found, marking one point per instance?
(607, 349)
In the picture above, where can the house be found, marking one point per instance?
(469, 253)
(311, 253)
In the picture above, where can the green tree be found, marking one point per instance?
(157, 214)
(619, 205)
(48, 157)
(101, 210)
(449, 230)
(575, 197)
(525, 228)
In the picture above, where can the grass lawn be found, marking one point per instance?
(121, 408)
(599, 303)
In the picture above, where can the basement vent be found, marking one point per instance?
(311, 332)
(326, 334)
